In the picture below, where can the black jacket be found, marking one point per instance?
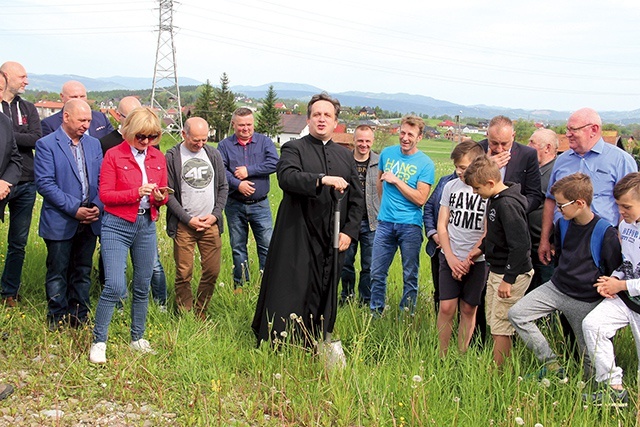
(507, 245)
(26, 129)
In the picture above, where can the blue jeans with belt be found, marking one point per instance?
(389, 237)
(119, 238)
(239, 217)
(21, 200)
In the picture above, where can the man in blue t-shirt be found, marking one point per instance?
(405, 177)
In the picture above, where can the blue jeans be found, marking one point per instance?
(390, 236)
(239, 217)
(68, 278)
(348, 271)
(159, 282)
(119, 237)
(21, 200)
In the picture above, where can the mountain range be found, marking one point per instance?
(401, 102)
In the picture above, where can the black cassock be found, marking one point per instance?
(299, 268)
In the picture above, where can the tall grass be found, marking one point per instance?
(212, 374)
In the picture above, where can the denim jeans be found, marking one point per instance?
(348, 271)
(239, 217)
(21, 200)
(389, 236)
(159, 282)
(68, 278)
(119, 237)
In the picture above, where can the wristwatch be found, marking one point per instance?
(320, 176)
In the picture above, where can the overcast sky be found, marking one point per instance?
(559, 55)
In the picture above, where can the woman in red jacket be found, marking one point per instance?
(133, 182)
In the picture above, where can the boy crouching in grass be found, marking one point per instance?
(621, 306)
(506, 246)
(461, 229)
(570, 289)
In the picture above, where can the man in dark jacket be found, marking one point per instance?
(194, 213)
(26, 130)
(298, 285)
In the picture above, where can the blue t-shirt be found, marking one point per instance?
(418, 167)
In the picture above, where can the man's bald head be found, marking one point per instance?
(76, 118)
(195, 133)
(73, 89)
(545, 142)
(16, 76)
(584, 130)
(127, 105)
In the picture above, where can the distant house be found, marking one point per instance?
(430, 132)
(367, 112)
(48, 108)
(280, 106)
(293, 126)
(446, 124)
(609, 136)
(343, 138)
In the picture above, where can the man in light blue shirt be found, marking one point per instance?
(605, 164)
(405, 177)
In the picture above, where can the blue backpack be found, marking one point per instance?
(597, 236)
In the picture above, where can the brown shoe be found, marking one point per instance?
(201, 315)
(237, 291)
(10, 302)
(5, 390)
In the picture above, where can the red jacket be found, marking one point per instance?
(121, 177)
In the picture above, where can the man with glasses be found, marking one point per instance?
(604, 163)
(100, 124)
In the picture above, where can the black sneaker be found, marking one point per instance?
(609, 397)
(5, 391)
(552, 370)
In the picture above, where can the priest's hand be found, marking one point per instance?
(500, 159)
(336, 182)
(344, 242)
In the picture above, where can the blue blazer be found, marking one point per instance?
(58, 181)
(100, 124)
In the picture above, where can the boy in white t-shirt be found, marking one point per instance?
(461, 227)
(621, 306)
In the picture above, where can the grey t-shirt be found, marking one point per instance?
(196, 182)
(466, 217)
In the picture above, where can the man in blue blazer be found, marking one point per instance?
(67, 166)
(100, 124)
(518, 163)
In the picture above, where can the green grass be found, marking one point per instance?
(212, 374)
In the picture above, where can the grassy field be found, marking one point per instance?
(211, 374)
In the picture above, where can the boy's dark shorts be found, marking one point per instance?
(469, 289)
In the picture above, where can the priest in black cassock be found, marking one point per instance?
(299, 271)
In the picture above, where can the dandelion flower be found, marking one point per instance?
(519, 421)
(221, 284)
(581, 385)
(277, 375)
(293, 316)
(417, 378)
(563, 380)
(520, 379)
(400, 404)
(283, 334)
(456, 399)
(538, 425)
(545, 382)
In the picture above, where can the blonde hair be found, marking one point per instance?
(142, 120)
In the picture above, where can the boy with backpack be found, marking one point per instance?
(587, 247)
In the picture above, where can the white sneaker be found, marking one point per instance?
(98, 353)
(142, 346)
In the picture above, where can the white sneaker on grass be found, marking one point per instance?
(142, 346)
(98, 353)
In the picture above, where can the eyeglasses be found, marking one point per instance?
(574, 130)
(140, 137)
(561, 207)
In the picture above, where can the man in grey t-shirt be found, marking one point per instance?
(194, 213)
